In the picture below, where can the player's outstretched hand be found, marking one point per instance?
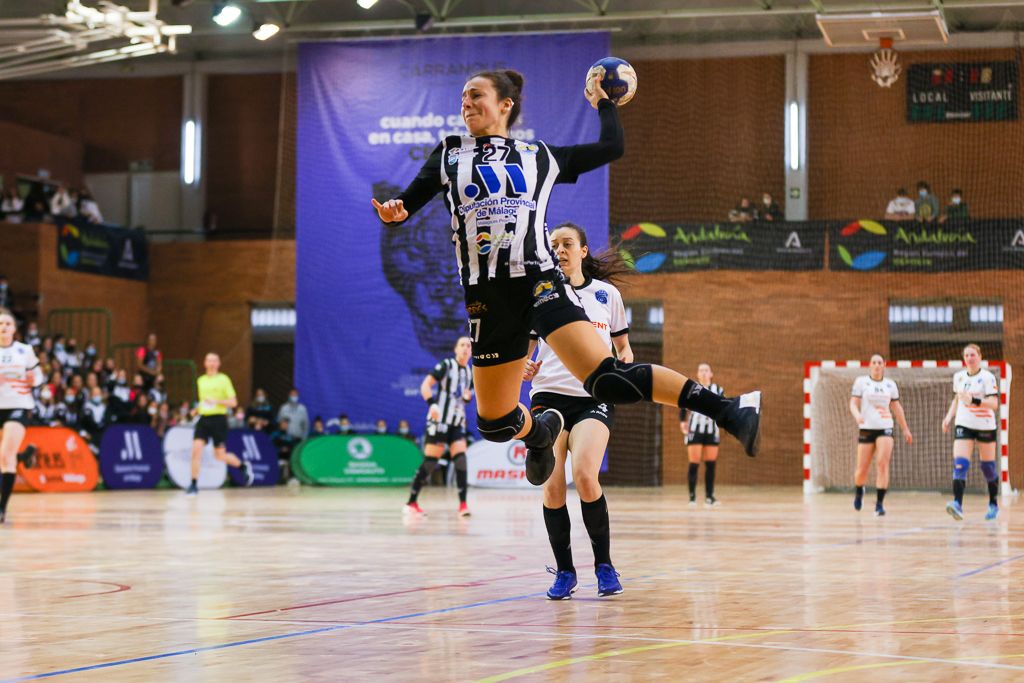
(909, 437)
(594, 92)
(531, 369)
(391, 211)
(945, 425)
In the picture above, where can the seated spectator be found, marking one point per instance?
(260, 415)
(109, 371)
(956, 209)
(404, 431)
(62, 204)
(72, 356)
(163, 420)
(744, 212)
(94, 416)
(149, 362)
(926, 208)
(59, 352)
(11, 206)
(69, 412)
(138, 386)
(902, 208)
(381, 427)
(769, 210)
(36, 206)
(32, 335)
(342, 425)
(119, 394)
(6, 298)
(88, 208)
(295, 413)
(89, 354)
(283, 440)
(158, 394)
(236, 418)
(46, 407)
(139, 412)
(318, 427)
(183, 415)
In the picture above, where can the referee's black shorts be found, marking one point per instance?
(213, 427)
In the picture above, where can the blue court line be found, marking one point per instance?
(989, 566)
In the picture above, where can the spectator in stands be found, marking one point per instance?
(138, 386)
(11, 206)
(926, 208)
(260, 415)
(120, 396)
(318, 427)
(59, 352)
(295, 412)
(163, 420)
(62, 204)
(139, 412)
(183, 416)
(381, 427)
(69, 409)
(149, 362)
(340, 425)
(158, 394)
(6, 298)
(32, 335)
(956, 209)
(36, 206)
(901, 208)
(88, 208)
(236, 418)
(72, 356)
(89, 354)
(769, 210)
(404, 431)
(46, 406)
(744, 212)
(94, 416)
(283, 440)
(109, 371)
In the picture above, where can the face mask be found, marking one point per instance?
(152, 410)
(293, 399)
(923, 192)
(382, 430)
(261, 399)
(767, 201)
(97, 400)
(45, 395)
(403, 431)
(58, 347)
(956, 200)
(90, 350)
(69, 399)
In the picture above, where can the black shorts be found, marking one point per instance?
(22, 416)
(979, 435)
(212, 427)
(871, 435)
(502, 313)
(574, 409)
(441, 433)
(703, 439)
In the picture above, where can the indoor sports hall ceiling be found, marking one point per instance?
(635, 22)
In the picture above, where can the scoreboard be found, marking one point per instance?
(966, 91)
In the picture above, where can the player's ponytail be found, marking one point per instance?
(606, 265)
(509, 85)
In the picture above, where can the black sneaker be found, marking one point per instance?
(742, 419)
(540, 461)
(192, 490)
(28, 457)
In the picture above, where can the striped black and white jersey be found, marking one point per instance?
(452, 381)
(701, 424)
(497, 190)
(19, 371)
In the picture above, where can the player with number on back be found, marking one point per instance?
(875, 400)
(974, 408)
(19, 374)
(446, 423)
(497, 190)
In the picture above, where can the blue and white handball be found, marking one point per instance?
(618, 79)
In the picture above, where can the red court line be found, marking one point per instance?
(119, 587)
(469, 584)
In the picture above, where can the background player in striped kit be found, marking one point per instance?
(19, 373)
(497, 190)
(446, 423)
(974, 407)
(702, 440)
(587, 420)
(874, 401)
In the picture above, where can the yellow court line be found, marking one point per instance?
(860, 667)
(647, 648)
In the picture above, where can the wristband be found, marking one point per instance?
(430, 401)
(976, 401)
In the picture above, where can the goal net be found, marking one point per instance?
(830, 432)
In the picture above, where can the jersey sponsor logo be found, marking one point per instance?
(476, 308)
(543, 292)
(483, 243)
(491, 179)
(601, 296)
(526, 147)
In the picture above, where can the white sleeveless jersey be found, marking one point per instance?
(981, 385)
(603, 305)
(18, 362)
(875, 398)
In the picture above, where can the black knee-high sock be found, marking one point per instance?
(860, 492)
(559, 535)
(958, 490)
(595, 517)
(697, 398)
(709, 478)
(422, 474)
(993, 492)
(881, 495)
(6, 486)
(461, 476)
(691, 478)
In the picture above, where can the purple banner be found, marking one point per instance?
(131, 457)
(258, 450)
(378, 307)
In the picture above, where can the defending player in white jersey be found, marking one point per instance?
(19, 374)
(587, 420)
(702, 440)
(974, 407)
(874, 402)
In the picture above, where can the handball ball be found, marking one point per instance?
(618, 79)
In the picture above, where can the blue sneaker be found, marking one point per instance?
(607, 580)
(879, 510)
(858, 501)
(564, 585)
(993, 511)
(955, 510)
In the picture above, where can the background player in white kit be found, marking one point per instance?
(702, 440)
(19, 374)
(874, 402)
(587, 421)
(974, 408)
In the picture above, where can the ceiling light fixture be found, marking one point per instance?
(225, 13)
(366, 4)
(265, 31)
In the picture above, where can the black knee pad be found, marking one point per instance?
(460, 462)
(618, 382)
(429, 464)
(504, 428)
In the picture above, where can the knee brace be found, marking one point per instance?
(618, 382)
(504, 428)
(428, 465)
(459, 459)
(988, 468)
(960, 467)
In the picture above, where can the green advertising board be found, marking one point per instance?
(370, 460)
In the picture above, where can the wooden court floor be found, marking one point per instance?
(331, 585)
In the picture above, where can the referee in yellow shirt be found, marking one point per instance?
(216, 397)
